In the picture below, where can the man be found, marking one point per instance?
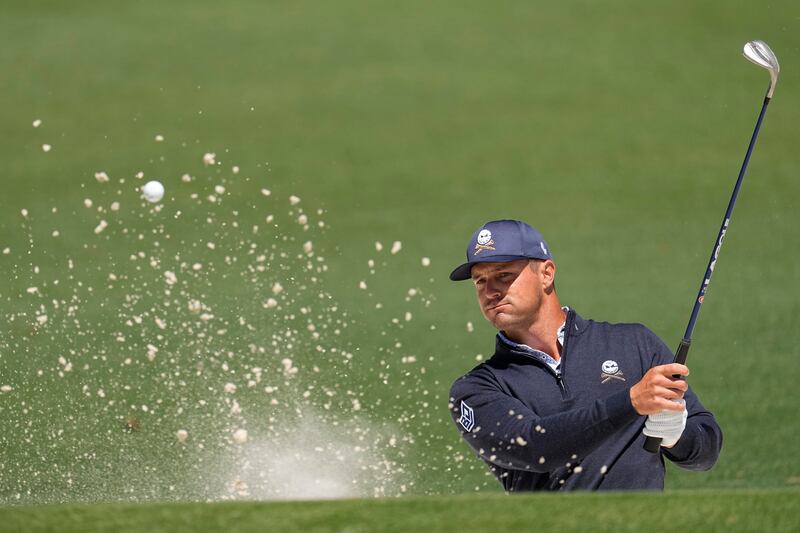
(566, 403)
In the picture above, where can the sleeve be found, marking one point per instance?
(505, 432)
(701, 442)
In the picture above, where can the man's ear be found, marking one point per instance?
(547, 270)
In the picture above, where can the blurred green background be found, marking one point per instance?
(616, 128)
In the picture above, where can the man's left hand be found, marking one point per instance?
(667, 425)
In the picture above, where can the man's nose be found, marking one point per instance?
(493, 289)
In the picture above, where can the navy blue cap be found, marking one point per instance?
(500, 241)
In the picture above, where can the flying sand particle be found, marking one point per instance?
(46, 148)
(209, 159)
(396, 246)
(100, 227)
(101, 177)
(240, 436)
(288, 367)
(37, 123)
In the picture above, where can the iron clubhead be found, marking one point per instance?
(762, 55)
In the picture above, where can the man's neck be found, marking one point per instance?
(542, 335)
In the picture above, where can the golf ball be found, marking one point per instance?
(153, 191)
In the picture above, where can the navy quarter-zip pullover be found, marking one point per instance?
(575, 428)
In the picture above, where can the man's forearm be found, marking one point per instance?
(699, 445)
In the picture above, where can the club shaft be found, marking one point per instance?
(687, 336)
(653, 444)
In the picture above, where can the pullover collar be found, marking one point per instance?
(537, 354)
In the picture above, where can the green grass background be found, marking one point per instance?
(616, 128)
(765, 510)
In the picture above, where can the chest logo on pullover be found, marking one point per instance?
(467, 419)
(610, 370)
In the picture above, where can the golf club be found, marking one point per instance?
(759, 53)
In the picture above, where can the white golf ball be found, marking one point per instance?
(153, 191)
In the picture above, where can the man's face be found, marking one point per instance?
(509, 294)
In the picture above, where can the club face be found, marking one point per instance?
(762, 55)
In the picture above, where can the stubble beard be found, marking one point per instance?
(512, 319)
(508, 319)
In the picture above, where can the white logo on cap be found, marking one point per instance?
(484, 236)
(544, 249)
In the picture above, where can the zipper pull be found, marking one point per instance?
(560, 381)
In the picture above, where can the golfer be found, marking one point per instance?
(566, 403)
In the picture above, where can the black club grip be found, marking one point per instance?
(653, 444)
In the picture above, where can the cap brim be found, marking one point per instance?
(463, 272)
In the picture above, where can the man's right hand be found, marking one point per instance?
(658, 388)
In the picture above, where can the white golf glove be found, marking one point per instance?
(667, 425)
